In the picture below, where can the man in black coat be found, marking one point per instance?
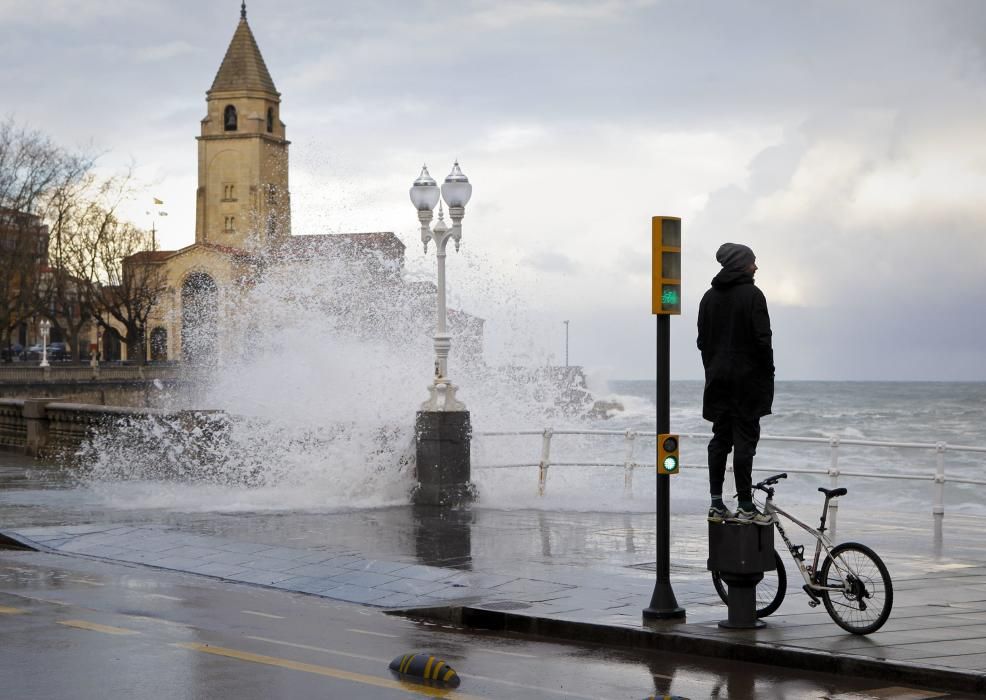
(734, 338)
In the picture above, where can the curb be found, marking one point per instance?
(667, 640)
(18, 542)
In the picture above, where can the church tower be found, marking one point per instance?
(243, 199)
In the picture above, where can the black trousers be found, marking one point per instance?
(729, 433)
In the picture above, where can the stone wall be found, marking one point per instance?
(46, 427)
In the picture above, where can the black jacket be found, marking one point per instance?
(734, 337)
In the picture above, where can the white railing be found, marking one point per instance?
(630, 441)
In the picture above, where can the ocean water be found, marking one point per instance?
(953, 413)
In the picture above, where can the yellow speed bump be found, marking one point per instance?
(426, 668)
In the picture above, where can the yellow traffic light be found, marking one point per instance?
(668, 461)
(665, 265)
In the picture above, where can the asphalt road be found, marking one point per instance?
(73, 628)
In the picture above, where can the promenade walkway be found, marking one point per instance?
(581, 576)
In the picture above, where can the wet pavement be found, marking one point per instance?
(581, 576)
(81, 628)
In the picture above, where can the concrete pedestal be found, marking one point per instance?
(443, 462)
(741, 553)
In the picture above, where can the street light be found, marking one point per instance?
(45, 327)
(424, 196)
(566, 342)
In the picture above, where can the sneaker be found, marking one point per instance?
(719, 514)
(751, 517)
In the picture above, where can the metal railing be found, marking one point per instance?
(24, 373)
(631, 437)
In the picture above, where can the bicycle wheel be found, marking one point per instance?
(770, 591)
(866, 593)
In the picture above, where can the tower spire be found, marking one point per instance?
(243, 10)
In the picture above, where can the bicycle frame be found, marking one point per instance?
(822, 542)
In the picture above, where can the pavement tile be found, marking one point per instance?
(286, 553)
(304, 584)
(267, 578)
(413, 587)
(478, 579)
(218, 569)
(377, 566)
(421, 572)
(266, 563)
(244, 547)
(315, 558)
(366, 579)
(321, 570)
(355, 594)
(397, 600)
(176, 563)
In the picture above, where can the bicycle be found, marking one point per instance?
(852, 582)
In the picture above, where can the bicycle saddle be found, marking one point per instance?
(832, 493)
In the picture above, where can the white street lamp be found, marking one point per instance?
(45, 328)
(424, 196)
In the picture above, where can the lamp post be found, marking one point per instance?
(566, 342)
(45, 327)
(442, 426)
(424, 195)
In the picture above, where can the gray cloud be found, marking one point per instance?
(843, 141)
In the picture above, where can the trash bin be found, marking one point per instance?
(741, 553)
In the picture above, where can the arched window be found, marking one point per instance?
(229, 118)
(159, 344)
(270, 120)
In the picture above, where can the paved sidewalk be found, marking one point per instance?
(584, 576)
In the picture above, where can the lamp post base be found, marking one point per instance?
(442, 441)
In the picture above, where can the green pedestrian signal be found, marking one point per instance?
(667, 454)
(665, 265)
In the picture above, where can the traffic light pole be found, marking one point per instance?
(663, 605)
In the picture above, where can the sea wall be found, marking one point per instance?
(43, 427)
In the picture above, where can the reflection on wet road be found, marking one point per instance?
(84, 629)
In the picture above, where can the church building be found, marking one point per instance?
(243, 210)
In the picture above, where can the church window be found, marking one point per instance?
(229, 118)
(229, 225)
(270, 120)
(229, 193)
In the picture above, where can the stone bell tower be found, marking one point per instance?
(243, 199)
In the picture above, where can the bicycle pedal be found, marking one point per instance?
(811, 594)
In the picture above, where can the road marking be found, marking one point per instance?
(500, 681)
(375, 634)
(44, 600)
(4, 610)
(322, 649)
(336, 673)
(510, 653)
(85, 581)
(165, 597)
(260, 614)
(93, 627)
(145, 618)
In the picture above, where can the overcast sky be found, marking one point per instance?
(845, 142)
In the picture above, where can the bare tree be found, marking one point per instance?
(32, 169)
(111, 263)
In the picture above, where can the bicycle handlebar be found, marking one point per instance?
(770, 481)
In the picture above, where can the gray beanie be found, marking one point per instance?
(735, 256)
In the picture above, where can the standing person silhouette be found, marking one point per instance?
(735, 341)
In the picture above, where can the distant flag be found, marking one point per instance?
(158, 201)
